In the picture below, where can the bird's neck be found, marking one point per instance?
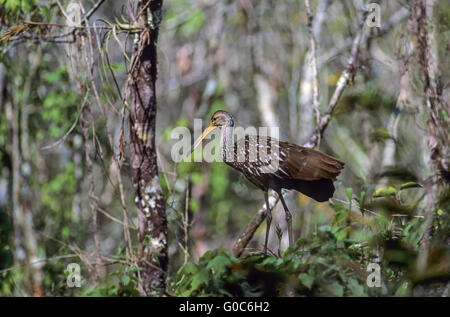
(226, 143)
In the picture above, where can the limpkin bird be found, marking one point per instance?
(280, 165)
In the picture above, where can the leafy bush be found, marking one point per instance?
(337, 260)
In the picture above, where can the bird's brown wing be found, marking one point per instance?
(287, 165)
(308, 171)
(307, 164)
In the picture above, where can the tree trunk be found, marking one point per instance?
(421, 16)
(149, 200)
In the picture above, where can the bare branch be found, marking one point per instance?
(346, 76)
(245, 237)
(309, 101)
(313, 48)
(61, 38)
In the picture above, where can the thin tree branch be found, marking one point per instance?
(92, 11)
(315, 76)
(64, 137)
(92, 198)
(247, 235)
(309, 101)
(61, 38)
(346, 76)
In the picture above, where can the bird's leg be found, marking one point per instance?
(288, 218)
(268, 220)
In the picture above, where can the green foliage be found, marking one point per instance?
(10, 280)
(121, 282)
(59, 105)
(193, 23)
(57, 197)
(333, 261)
(317, 266)
(211, 276)
(6, 255)
(219, 181)
(370, 98)
(19, 5)
(385, 191)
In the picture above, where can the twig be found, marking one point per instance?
(59, 257)
(57, 38)
(64, 137)
(93, 9)
(385, 27)
(186, 226)
(60, 25)
(92, 198)
(62, 10)
(116, 220)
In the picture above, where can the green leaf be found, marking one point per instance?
(385, 191)
(194, 204)
(361, 197)
(126, 280)
(337, 289)
(219, 264)
(444, 115)
(184, 168)
(199, 279)
(339, 217)
(356, 288)
(403, 290)
(349, 192)
(363, 175)
(196, 178)
(324, 228)
(410, 185)
(133, 269)
(188, 268)
(380, 134)
(307, 280)
(269, 261)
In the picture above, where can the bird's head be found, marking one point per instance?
(219, 119)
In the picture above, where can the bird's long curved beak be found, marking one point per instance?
(204, 134)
